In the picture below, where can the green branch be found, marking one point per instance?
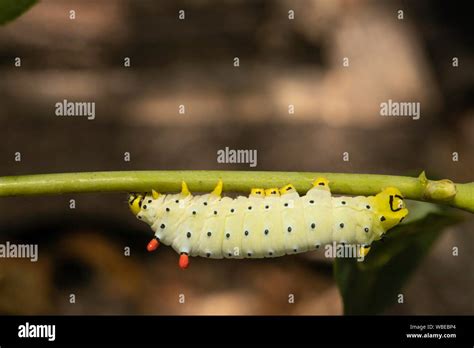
(421, 189)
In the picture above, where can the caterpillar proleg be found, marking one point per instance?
(268, 223)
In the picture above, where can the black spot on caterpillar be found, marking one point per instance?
(212, 226)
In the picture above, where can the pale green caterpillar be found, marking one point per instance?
(268, 223)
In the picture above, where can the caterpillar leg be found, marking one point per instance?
(183, 261)
(364, 250)
(155, 194)
(153, 244)
(218, 189)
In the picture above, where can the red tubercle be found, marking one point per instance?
(183, 261)
(153, 245)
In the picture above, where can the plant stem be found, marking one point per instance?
(461, 196)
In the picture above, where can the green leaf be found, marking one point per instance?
(369, 287)
(10, 9)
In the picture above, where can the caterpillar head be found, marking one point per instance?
(135, 201)
(390, 207)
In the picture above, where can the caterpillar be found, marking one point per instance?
(268, 223)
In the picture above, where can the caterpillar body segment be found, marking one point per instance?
(268, 223)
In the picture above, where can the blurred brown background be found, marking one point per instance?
(190, 62)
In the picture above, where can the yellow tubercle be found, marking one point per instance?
(155, 194)
(257, 192)
(321, 182)
(184, 189)
(218, 189)
(287, 189)
(272, 192)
